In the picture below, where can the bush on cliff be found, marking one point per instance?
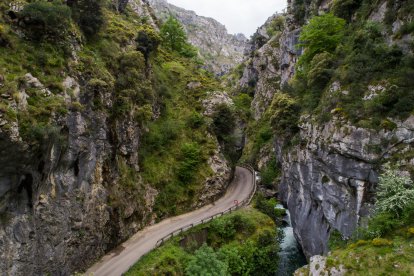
(395, 193)
(175, 38)
(285, 115)
(88, 14)
(46, 20)
(322, 34)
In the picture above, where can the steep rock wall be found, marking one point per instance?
(67, 201)
(220, 50)
(328, 181)
(330, 171)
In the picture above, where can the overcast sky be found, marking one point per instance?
(239, 16)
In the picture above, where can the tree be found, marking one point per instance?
(175, 38)
(322, 34)
(88, 14)
(395, 193)
(147, 41)
(223, 121)
(46, 20)
(206, 263)
(285, 115)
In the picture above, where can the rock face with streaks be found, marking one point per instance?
(330, 172)
(220, 50)
(70, 199)
(329, 181)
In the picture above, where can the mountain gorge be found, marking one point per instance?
(106, 129)
(334, 113)
(219, 50)
(95, 134)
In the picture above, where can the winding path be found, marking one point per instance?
(121, 259)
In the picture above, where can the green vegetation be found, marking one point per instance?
(284, 115)
(270, 174)
(276, 26)
(356, 56)
(88, 14)
(46, 20)
(242, 243)
(206, 262)
(147, 41)
(267, 206)
(175, 38)
(177, 144)
(129, 74)
(386, 245)
(322, 34)
(223, 125)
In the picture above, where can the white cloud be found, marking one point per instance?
(239, 16)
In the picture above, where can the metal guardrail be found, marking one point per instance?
(228, 211)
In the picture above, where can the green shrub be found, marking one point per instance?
(206, 262)
(5, 40)
(223, 229)
(285, 115)
(46, 20)
(269, 174)
(231, 255)
(174, 38)
(161, 135)
(191, 157)
(381, 242)
(268, 207)
(147, 41)
(411, 232)
(322, 34)
(395, 193)
(88, 14)
(276, 26)
(345, 8)
(223, 121)
(320, 70)
(195, 120)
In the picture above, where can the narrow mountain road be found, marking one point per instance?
(120, 260)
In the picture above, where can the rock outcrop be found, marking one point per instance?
(329, 181)
(330, 171)
(220, 50)
(317, 267)
(69, 198)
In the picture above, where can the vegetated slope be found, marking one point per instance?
(332, 101)
(220, 51)
(101, 132)
(240, 243)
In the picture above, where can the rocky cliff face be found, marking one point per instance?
(79, 193)
(220, 51)
(330, 171)
(328, 182)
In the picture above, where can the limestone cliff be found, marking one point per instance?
(329, 169)
(220, 50)
(73, 177)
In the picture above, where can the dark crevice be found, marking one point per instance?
(76, 167)
(27, 184)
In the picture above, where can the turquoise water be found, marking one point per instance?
(290, 256)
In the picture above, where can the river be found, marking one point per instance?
(291, 256)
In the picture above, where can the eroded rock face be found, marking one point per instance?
(329, 177)
(61, 202)
(65, 203)
(317, 267)
(328, 180)
(220, 50)
(216, 185)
